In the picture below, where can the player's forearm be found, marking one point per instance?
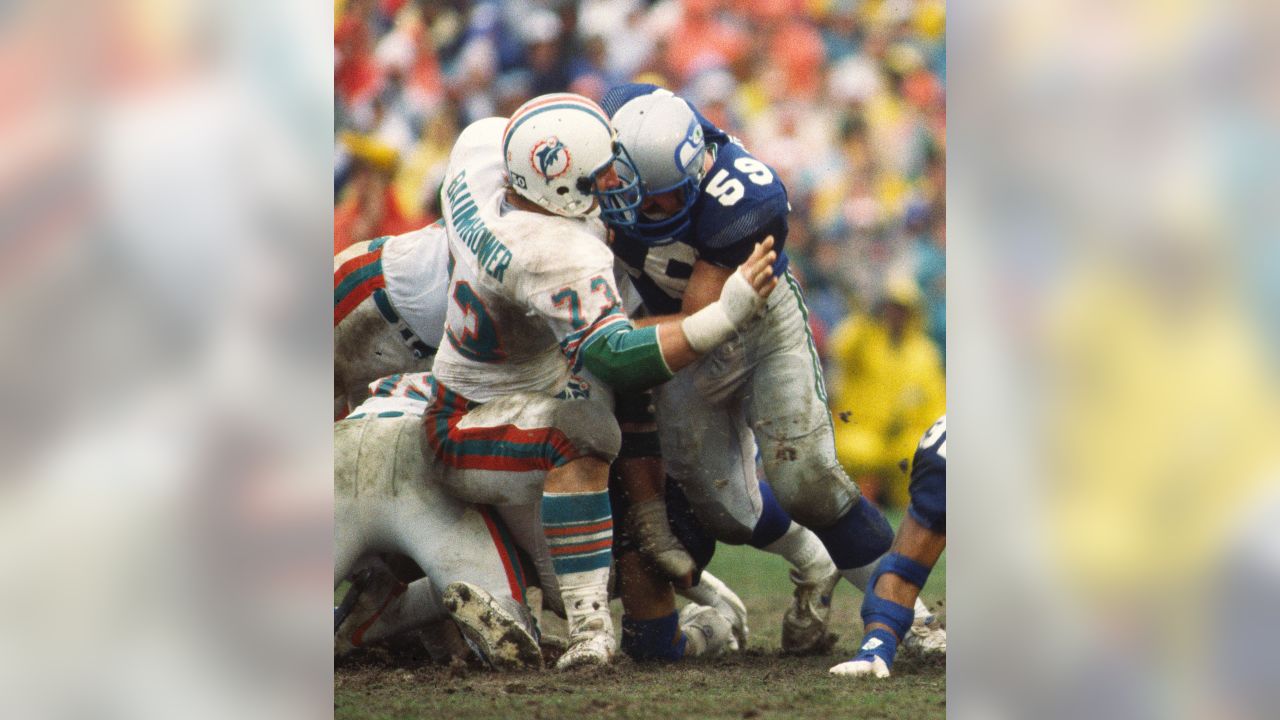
(640, 358)
(633, 358)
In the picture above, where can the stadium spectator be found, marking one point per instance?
(845, 98)
(887, 390)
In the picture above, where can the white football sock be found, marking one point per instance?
(804, 551)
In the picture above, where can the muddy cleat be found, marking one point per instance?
(804, 626)
(648, 525)
(591, 644)
(707, 631)
(498, 631)
(372, 590)
(926, 637)
(711, 591)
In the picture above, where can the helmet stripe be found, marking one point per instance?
(552, 104)
(551, 98)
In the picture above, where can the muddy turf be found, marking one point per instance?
(758, 683)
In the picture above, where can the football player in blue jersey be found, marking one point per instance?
(706, 201)
(899, 576)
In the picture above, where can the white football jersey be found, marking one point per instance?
(527, 290)
(396, 395)
(415, 266)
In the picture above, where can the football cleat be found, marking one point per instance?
(926, 637)
(708, 632)
(711, 591)
(372, 590)
(804, 625)
(591, 643)
(873, 666)
(498, 632)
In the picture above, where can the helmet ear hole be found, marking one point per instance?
(562, 190)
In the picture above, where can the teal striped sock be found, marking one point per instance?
(579, 530)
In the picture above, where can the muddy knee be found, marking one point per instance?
(724, 525)
(813, 495)
(589, 427)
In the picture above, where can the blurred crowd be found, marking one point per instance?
(844, 98)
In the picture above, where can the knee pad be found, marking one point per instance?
(774, 521)
(590, 427)
(877, 609)
(858, 537)
(813, 495)
(658, 639)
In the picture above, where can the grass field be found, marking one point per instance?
(758, 683)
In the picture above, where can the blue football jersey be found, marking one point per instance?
(741, 201)
(928, 486)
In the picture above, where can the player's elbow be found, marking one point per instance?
(628, 359)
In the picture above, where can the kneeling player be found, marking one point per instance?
(389, 304)
(386, 498)
(898, 578)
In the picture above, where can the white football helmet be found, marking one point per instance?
(661, 136)
(557, 149)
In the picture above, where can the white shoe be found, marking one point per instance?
(874, 667)
(500, 635)
(804, 625)
(590, 645)
(707, 631)
(712, 591)
(926, 637)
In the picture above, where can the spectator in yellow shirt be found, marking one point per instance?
(887, 389)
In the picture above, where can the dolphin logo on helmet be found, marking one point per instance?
(552, 158)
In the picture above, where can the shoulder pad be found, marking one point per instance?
(740, 195)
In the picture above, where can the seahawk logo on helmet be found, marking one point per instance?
(558, 150)
(550, 158)
(662, 137)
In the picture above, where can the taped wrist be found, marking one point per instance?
(708, 327)
(720, 320)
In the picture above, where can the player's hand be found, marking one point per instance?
(758, 269)
(744, 294)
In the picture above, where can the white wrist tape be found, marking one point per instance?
(720, 320)
(708, 327)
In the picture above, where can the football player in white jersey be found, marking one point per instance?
(385, 499)
(388, 310)
(388, 498)
(533, 301)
